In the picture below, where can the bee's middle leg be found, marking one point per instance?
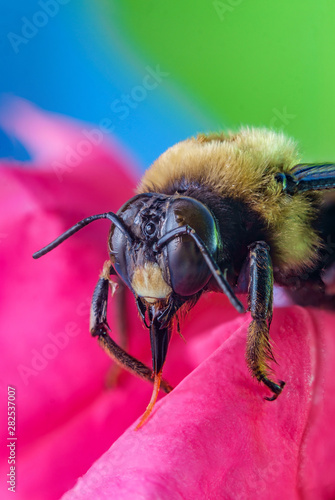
(260, 305)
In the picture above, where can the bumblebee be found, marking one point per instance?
(230, 213)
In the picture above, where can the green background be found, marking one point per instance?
(241, 62)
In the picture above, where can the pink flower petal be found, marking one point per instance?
(215, 436)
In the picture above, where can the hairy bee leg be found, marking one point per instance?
(260, 305)
(99, 328)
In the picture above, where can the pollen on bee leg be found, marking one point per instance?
(113, 286)
(146, 414)
(105, 273)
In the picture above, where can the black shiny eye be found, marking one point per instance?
(188, 272)
(149, 229)
(118, 248)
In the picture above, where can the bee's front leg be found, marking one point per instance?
(260, 305)
(99, 328)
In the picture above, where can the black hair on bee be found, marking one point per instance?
(231, 213)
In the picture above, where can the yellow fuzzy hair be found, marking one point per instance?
(242, 166)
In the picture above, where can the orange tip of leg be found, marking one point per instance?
(146, 414)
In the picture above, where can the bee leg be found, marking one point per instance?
(99, 328)
(260, 305)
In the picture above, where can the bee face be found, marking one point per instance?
(179, 266)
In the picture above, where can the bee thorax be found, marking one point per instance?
(148, 283)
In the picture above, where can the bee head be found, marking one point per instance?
(154, 265)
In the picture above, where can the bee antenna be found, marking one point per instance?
(214, 268)
(109, 215)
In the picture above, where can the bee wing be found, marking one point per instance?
(311, 177)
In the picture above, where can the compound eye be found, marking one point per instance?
(118, 251)
(188, 271)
